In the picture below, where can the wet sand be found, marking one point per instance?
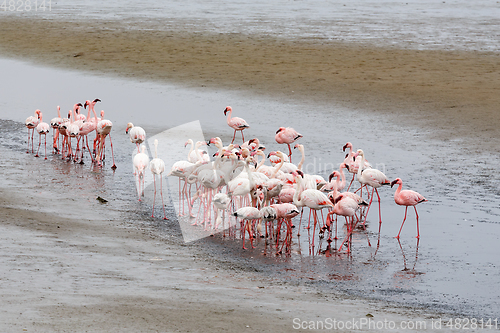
(454, 93)
(89, 275)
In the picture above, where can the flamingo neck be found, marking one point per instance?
(196, 151)
(261, 163)
(191, 150)
(303, 157)
(250, 177)
(277, 168)
(398, 191)
(229, 115)
(296, 195)
(361, 164)
(58, 111)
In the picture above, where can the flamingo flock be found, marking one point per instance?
(241, 183)
(238, 185)
(76, 126)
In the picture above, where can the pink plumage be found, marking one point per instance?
(236, 123)
(407, 198)
(287, 135)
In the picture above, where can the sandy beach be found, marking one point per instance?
(67, 274)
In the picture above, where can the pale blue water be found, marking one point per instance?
(456, 267)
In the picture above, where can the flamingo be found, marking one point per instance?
(140, 162)
(137, 134)
(312, 198)
(287, 135)
(374, 178)
(73, 129)
(31, 123)
(157, 167)
(248, 214)
(104, 129)
(352, 162)
(236, 123)
(346, 206)
(55, 123)
(95, 120)
(42, 128)
(407, 198)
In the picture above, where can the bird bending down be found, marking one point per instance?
(31, 122)
(407, 198)
(287, 135)
(157, 167)
(137, 134)
(249, 214)
(236, 123)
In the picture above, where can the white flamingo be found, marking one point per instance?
(157, 167)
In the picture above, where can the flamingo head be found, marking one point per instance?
(38, 113)
(227, 109)
(102, 113)
(129, 126)
(87, 102)
(96, 100)
(333, 174)
(280, 129)
(261, 147)
(347, 145)
(396, 181)
(297, 145)
(271, 154)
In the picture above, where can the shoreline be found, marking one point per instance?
(454, 93)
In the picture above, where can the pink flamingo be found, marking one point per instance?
(312, 198)
(42, 128)
(104, 129)
(137, 134)
(31, 123)
(55, 123)
(346, 206)
(157, 167)
(287, 135)
(374, 178)
(94, 120)
(236, 123)
(407, 198)
(353, 163)
(248, 214)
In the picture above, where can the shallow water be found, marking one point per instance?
(430, 24)
(454, 268)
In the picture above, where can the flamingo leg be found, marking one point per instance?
(234, 135)
(112, 154)
(418, 229)
(39, 143)
(289, 152)
(379, 212)
(242, 137)
(161, 193)
(406, 210)
(353, 175)
(154, 196)
(45, 144)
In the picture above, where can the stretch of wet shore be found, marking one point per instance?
(453, 93)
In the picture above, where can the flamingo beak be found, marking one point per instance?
(393, 183)
(97, 100)
(126, 131)
(344, 148)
